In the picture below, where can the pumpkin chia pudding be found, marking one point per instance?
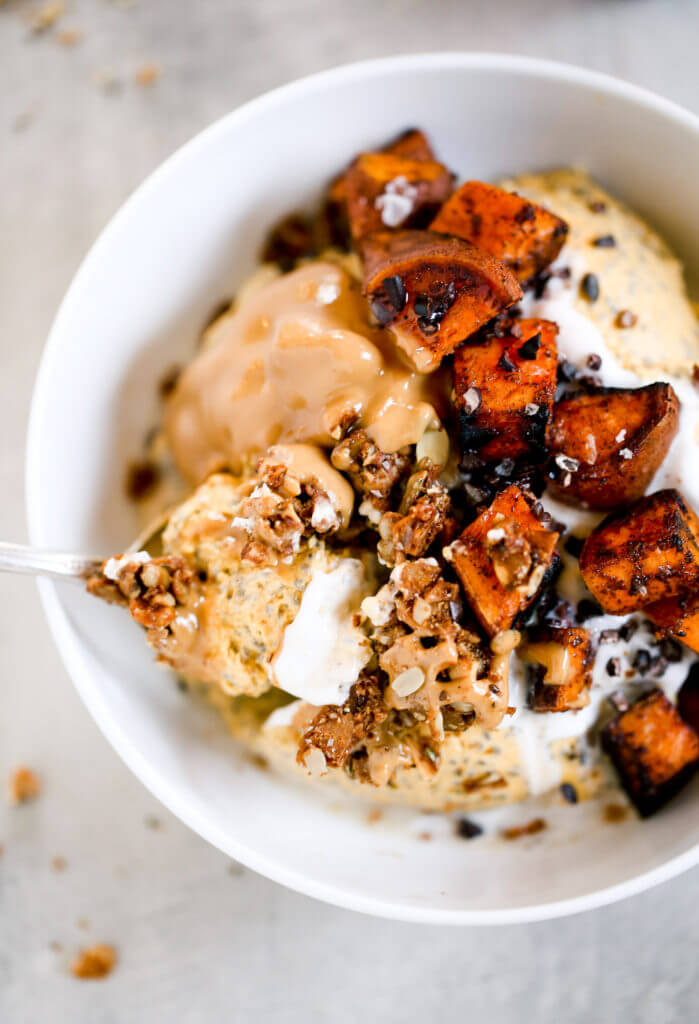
(427, 491)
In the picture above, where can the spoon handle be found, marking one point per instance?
(35, 562)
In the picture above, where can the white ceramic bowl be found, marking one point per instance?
(179, 245)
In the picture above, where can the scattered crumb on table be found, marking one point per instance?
(147, 74)
(23, 786)
(94, 962)
(59, 863)
(46, 16)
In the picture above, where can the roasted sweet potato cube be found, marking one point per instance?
(501, 559)
(433, 291)
(563, 658)
(411, 145)
(504, 391)
(524, 236)
(653, 749)
(618, 436)
(387, 191)
(643, 554)
(678, 617)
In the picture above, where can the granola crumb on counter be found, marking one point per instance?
(94, 962)
(46, 16)
(23, 786)
(147, 74)
(59, 863)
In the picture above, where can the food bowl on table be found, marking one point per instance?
(183, 243)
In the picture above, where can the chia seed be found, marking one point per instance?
(671, 650)
(569, 793)
(395, 291)
(594, 361)
(505, 363)
(613, 667)
(467, 829)
(567, 371)
(641, 661)
(530, 347)
(628, 630)
(589, 287)
(604, 241)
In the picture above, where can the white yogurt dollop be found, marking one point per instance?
(323, 652)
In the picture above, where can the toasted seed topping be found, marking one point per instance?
(589, 287)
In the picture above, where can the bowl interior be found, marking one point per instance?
(180, 245)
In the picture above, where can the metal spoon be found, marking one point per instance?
(57, 565)
(54, 564)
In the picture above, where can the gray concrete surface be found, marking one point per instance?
(200, 939)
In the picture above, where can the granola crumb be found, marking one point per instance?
(23, 786)
(59, 863)
(46, 16)
(425, 837)
(70, 37)
(94, 962)
(83, 923)
(614, 813)
(55, 947)
(530, 829)
(374, 815)
(152, 822)
(147, 74)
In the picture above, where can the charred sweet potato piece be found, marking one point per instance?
(501, 559)
(433, 291)
(653, 749)
(524, 236)
(504, 391)
(411, 145)
(644, 554)
(678, 617)
(618, 436)
(563, 657)
(388, 191)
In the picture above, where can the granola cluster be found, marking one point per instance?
(151, 588)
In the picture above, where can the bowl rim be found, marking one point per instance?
(67, 641)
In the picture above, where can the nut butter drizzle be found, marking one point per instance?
(295, 363)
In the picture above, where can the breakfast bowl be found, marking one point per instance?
(180, 245)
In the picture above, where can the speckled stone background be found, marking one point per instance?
(200, 939)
